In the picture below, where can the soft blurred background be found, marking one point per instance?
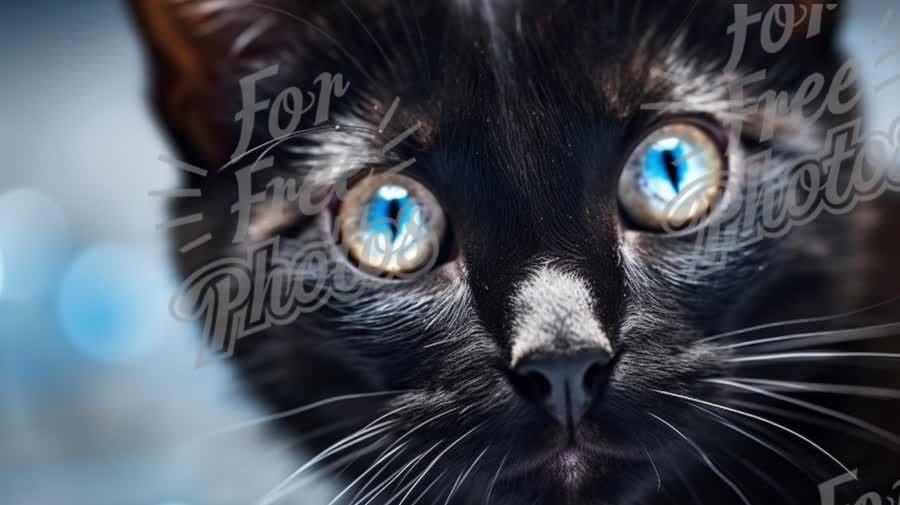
(100, 402)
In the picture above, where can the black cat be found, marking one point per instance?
(585, 226)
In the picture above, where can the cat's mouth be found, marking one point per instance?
(569, 452)
(563, 471)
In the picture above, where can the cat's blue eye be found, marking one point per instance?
(392, 211)
(673, 178)
(391, 224)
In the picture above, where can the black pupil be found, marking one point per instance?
(393, 216)
(671, 164)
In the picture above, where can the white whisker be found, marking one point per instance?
(348, 54)
(749, 435)
(371, 37)
(308, 436)
(347, 442)
(695, 499)
(652, 464)
(760, 419)
(705, 458)
(428, 488)
(398, 441)
(374, 477)
(827, 337)
(807, 320)
(331, 468)
(438, 458)
(401, 490)
(303, 409)
(372, 467)
(463, 476)
(423, 424)
(399, 474)
(812, 420)
(490, 490)
(813, 355)
(765, 477)
(817, 387)
(859, 423)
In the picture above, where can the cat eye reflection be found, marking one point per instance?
(673, 178)
(391, 224)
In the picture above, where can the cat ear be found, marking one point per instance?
(197, 51)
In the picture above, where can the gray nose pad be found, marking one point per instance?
(565, 386)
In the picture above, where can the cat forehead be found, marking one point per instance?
(613, 58)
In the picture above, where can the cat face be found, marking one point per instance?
(546, 348)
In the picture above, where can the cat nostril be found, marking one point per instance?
(565, 386)
(595, 376)
(538, 385)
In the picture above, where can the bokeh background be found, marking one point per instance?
(100, 402)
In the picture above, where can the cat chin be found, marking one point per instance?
(569, 463)
(574, 475)
(571, 467)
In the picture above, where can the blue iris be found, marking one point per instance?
(391, 211)
(670, 164)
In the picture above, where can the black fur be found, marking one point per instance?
(528, 112)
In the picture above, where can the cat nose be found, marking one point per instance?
(565, 385)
